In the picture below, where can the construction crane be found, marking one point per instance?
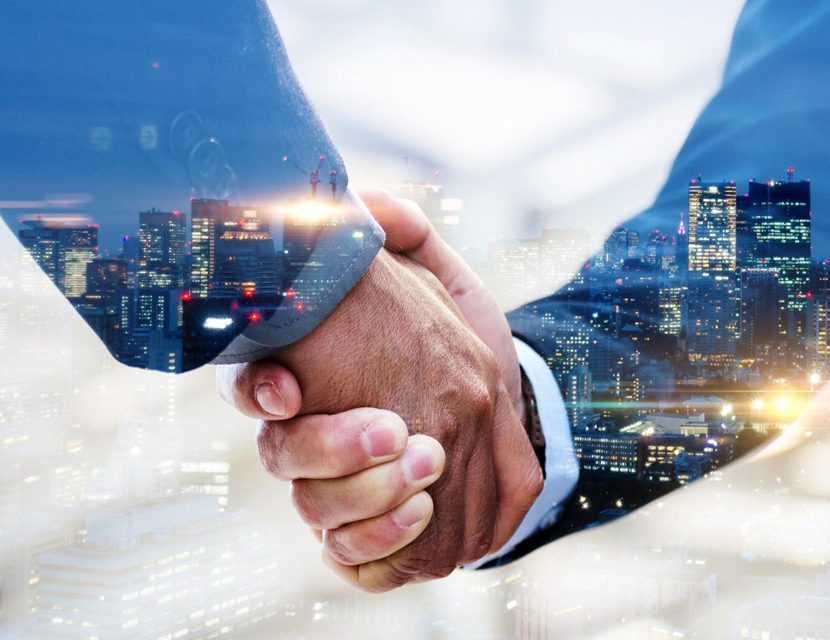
(314, 174)
(333, 183)
(315, 177)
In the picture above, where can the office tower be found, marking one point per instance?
(712, 280)
(63, 246)
(763, 315)
(607, 453)
(657, 250)
(779, 233)
(205, 214)
(621, 245)
(130, 250)
(515, 271)
(818, 314)
(671, 302)
(578, 395)
(561, 254)
(247, 263)
(149, 321)
(776, 234)
(234, 251)
(162, 249)
(105, 276)
(681, 250)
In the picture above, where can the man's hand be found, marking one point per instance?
(398, 342)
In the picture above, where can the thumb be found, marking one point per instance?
(519, 478)
(264, 390)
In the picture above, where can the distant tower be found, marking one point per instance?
(712, 279)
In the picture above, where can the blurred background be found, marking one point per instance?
(132, 504)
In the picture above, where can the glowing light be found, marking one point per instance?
(299, 306)
(782, 403)
(358, 235)
(255, 316)
(757, 404)
(726, 410)
(815, 379)
(290, 293)
(310, 211)
(249, 293)
(187, 296)
(217, 324)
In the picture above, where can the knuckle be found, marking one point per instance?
(303, 499)
(271, 447)
(480, 399)
(406, 566)
(340, 547)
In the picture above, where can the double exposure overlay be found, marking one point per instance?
(162, 166)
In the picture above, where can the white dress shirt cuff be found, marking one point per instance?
(561, 465)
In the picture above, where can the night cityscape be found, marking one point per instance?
(665, 382)
(182, 287)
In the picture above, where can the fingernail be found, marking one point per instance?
(411, 512)
(419, 462)
(270, 400)
(381, 439)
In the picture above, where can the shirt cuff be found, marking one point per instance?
(561, 465)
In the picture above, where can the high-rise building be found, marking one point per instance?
(621, 245)
(818, 313)
(776, 234)
(205, 214)
(247, 263)
(712, 278)
(234, 251)
(561, 252)
(105, 276)
(578, 395)
(162, 241)
(777, 231)
(671, 302)
(607, 452)
(63, 246)
(763, 315)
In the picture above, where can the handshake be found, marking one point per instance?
(400, 420)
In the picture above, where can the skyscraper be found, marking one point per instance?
(763, 315)
(712, 281)
(63, 246)
(247, 263)
(204, 216)
(105, 276)
(776, 234)
(233, 251)
(162, 249)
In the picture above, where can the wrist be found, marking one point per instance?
(531, 420)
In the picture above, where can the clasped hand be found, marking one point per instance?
(398, 421)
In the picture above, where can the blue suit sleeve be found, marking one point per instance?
(161, 163)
